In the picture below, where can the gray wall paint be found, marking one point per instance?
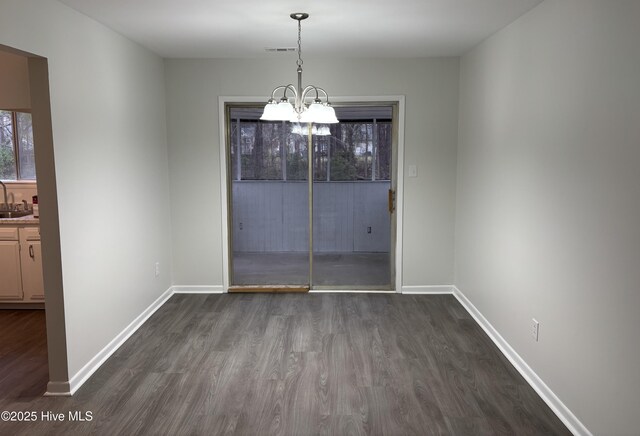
(274, 216)
(548, 200)
(109, 140)
(431, 89)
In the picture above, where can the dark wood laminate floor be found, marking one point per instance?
(297, 364)
(24, 371)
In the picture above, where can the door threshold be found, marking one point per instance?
(273, 289)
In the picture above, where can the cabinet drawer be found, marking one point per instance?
(9, 234)
(30, 233)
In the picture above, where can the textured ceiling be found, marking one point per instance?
(362, 28)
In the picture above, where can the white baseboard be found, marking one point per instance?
(58, 389)
(218, 289)
(566, 416)
(431, 289)
(83, 375)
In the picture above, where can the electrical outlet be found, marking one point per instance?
(535, 329)
(157, 269)
(413, 171)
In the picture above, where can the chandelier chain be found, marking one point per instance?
(299, 61)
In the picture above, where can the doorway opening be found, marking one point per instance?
(312, 206)
(23, 342)
(32, 342)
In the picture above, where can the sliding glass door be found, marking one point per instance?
(269, 201)
(273, 205)
(351, 183)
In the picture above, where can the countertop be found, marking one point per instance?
(29, 219)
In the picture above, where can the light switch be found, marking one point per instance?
(413, 171)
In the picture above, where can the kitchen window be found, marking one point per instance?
(17, 158)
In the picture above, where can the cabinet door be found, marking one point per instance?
(32, 283)
(10, 277)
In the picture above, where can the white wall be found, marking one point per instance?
(14, 81)
(548, 200)
(431, 89)
(109, 135)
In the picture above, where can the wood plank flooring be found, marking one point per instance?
(302, 364)
(24, 371)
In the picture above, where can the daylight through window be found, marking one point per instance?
(17, 158)
(357, 150)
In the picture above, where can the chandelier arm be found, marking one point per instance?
(306, 91)
(289, 87)
(316, 89)
(323, 91)
(293, 89)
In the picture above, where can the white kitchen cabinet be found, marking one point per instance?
(10, 271)
(31, 263)
(20, 265)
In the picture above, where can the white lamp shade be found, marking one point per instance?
(319, 113)
(282, 111)
(328, 115)
(312, 114)
(270, 111)
(286, 111)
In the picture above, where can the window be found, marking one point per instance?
(261, 156)
(17, 158)
(267, 150)
(356, 150)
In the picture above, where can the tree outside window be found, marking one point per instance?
(358, 150)
(17, 157)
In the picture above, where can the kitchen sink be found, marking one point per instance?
(14, 213)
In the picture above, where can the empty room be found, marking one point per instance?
(300, 218)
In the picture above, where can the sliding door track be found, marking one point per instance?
(272, 289)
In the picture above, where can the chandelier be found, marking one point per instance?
(317, 111)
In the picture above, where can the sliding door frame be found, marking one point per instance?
(398, 101)
(394, 105)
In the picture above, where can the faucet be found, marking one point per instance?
(6, 201)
